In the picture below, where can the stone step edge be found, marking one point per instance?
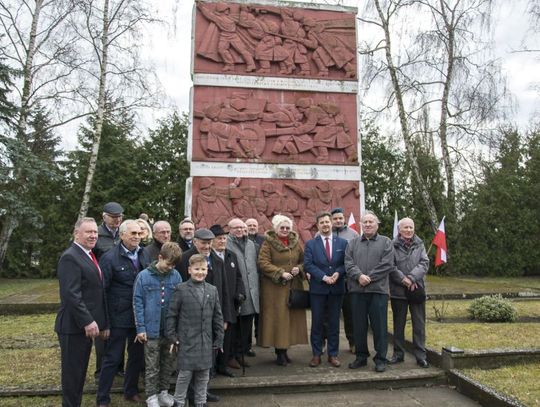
(286, 384)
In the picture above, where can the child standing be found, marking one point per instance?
(195, 330)
(153, 289)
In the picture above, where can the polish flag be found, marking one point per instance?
(440, 242)
(352, 223)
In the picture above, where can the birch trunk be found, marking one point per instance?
(409, 148)
(99, 114)
(10, 221)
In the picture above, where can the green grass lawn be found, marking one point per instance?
(458, 308)
(519, 381)
(28, 291)
(89, 400)
(470, 285)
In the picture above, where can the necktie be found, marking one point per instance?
(327, 247)
(93, 256)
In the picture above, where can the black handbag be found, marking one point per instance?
(298, 299)
(418, 296)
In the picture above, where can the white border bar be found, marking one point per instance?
(276, 83)
(277, 171)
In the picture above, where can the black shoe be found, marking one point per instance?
(251, 353)
(287, 358)
(380, 367)
(281, 360)
(225, 372)
(211, 397)
(357, 363)
(422, 363)
(395, 359)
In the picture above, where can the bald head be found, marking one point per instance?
(236, 227)
(162, 231)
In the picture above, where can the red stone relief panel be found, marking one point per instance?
(256, 125)
(274, 41)
(217, 200)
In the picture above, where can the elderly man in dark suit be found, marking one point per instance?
(324, 260)
(120, 267)
(226, 261)
(82, 316)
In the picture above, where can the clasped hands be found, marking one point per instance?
(407, 282)
(331, 280)
(289, 276)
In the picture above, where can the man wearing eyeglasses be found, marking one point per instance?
(246, 253)
(120, 267)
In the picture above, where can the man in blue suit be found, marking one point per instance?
(324, 259)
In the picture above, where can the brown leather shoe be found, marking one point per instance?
(135, 399)
(334, 361)
(315, 361)
(233, 364)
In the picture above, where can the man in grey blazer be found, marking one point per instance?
(82, 316)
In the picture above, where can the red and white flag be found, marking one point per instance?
(352, 223)
(440, 242)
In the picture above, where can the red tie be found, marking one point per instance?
(93, 256)
(327, 247)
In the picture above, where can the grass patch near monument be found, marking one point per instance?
(29, 368)
(479, 285)
(480, 336)
(28, 291)
(89, 400)
(518, 381)
(458, 308)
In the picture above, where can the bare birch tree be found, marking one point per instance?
(445, 67)
(39, 45)
(111, 28)
(383, 20)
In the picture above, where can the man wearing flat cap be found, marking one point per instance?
(108, 237)
(202, 244)
(228, 262)
(108, 231)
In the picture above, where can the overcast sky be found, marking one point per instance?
(169, 50)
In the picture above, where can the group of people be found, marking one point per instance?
(189, 307)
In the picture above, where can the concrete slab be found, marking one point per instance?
(410, 397)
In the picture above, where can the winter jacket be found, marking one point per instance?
(411, 262)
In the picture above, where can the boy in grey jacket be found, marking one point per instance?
(195, 330)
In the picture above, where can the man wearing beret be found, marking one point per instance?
(228, 263)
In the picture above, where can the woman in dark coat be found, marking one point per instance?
(281, 263)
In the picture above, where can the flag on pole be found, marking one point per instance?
(440, 242)
(396, 229)
(352, 223)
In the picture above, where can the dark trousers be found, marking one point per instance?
(325, 308)
(109, 365)
(224, 357)
(245, 328)
(347, 318)
(418, 318)
(99, 346)
(370, 307)
(75, 353)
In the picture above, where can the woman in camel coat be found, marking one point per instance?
(281, 263)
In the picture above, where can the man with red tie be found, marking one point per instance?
(324, 258)
(82, 316)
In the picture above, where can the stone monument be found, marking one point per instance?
(274, 121)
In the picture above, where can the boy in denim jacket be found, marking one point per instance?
(152, 291)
